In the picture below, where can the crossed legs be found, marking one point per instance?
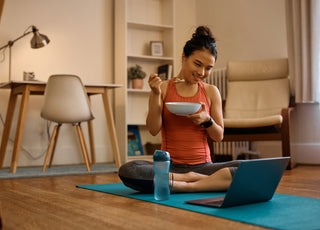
(195, 182)
(139, 175)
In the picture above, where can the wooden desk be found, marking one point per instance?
(27, 88)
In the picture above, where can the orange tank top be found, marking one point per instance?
(185, 141)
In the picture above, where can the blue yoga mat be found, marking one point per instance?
(281, 212)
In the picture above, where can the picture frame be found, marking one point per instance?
(156, 48)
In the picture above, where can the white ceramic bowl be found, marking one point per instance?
(183, 108)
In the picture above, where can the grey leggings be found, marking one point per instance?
(139, 174)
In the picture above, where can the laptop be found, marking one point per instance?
(255, 181)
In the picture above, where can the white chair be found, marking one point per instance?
(66, 101)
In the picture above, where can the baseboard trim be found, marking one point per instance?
(306, 153)
(301, 153)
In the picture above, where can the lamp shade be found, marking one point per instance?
(39, 40)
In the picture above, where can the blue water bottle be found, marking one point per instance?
(161, 164)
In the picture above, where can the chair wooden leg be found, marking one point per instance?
(285, 134)
(91, 141)
(86, 149)
(49, 148)
(83, 146)
(54, 145)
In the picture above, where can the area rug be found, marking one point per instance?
(23, 172)
(281, 212)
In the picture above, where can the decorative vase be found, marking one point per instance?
(137, 83)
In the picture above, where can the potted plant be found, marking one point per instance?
(136, 75)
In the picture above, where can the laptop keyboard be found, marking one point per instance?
(215, 201)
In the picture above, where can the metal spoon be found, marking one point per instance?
(178, 80)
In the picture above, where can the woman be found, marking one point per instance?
(185, 137)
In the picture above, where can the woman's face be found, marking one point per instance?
(197, 66)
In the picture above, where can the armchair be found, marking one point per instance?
(258, 102)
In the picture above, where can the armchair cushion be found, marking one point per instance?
(253, 122)
(257, 70)
(256, 99)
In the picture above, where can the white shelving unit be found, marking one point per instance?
(137, 23)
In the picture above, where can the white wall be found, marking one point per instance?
(185, 24)
(256, 29)
(81, 34)
(245, 30)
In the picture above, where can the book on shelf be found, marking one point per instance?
(165, 72)
(134, 141)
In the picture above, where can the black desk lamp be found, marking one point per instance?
(38, 40)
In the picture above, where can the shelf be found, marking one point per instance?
(144, 26)
(144, 91)
(149, 58)
(137, 123)
(142, 157)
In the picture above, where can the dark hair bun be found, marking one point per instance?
(202, 31)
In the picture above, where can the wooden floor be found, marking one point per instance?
(56, 203)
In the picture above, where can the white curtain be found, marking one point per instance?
(303, 33)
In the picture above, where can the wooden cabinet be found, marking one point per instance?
(137, 24)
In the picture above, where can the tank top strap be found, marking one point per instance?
(204, 92)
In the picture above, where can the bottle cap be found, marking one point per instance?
(160, 155)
